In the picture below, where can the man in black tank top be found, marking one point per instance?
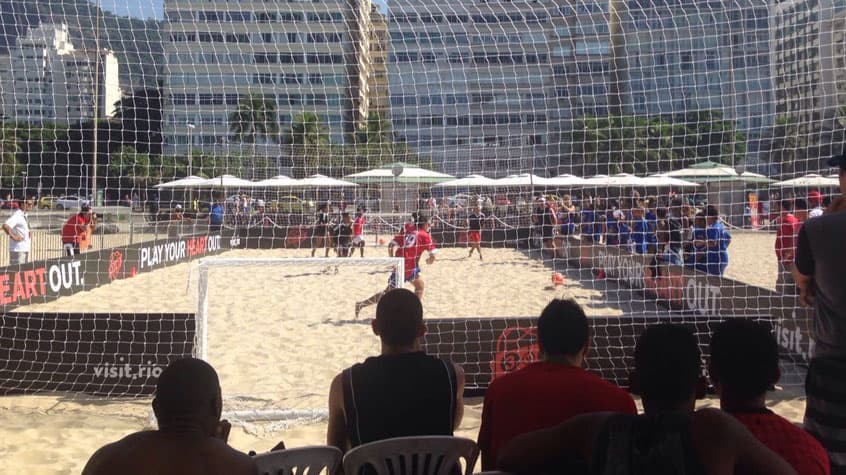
(402, 392)
(671, 438)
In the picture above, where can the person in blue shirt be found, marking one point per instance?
(216, 215)
(717, 243)
(642, 235)
(617, 232)
(589, 228)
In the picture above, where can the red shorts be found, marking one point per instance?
(474, 237)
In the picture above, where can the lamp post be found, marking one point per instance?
(396, 171)
(190, 126)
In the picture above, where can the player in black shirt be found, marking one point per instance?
(474, 231)
(320, 236)
(342, 233)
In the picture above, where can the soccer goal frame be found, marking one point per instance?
(202, 316)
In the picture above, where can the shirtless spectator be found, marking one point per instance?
(671, 437)
(402, 392)
(743, 366)
(191, 438)
(550, 391)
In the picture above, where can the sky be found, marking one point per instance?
(153, 8)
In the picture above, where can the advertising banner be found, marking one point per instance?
(109, 354)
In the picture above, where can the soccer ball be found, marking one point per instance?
(381, 242)
(557, 279)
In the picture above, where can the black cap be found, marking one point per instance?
(838, 160)
(84, 207)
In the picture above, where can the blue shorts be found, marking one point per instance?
(392, 280)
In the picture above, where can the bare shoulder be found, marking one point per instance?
(102, 460)
(237, 462)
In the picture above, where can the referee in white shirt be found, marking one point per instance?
(20, 236)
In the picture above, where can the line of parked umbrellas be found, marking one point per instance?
(692, 177)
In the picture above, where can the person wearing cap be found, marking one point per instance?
(191, 438)
(818, 268)
(76, 229)
(175, 222)
(815, 200)
(20, 235)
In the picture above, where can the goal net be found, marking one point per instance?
(638, 155)
(278, 342)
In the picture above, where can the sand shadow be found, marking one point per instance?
(341, 323)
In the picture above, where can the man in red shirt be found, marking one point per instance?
(549, 392)
(358, 231)
(743, 366)
(75, 230)
(785, 246)
(412, 245)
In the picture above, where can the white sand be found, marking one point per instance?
(277, 335)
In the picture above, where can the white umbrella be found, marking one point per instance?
(407, 174)
(809, 181)
(618, 180)
(279, 181)
(664, 181)
(566, 180)
(323, 181)
(228, 181)
(187, 182)
(523, 179)
(469, 181)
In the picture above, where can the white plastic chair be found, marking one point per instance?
(300, 461)
(423, 455)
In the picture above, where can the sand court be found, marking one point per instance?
(277, 335)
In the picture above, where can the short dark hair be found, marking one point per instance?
(562, 328)
(786, 205)
(399, 315)
(187, 388)
(744, 357)
(421, 218)
(801, 204)
(668, 363)
(712, 211)
(345, 215)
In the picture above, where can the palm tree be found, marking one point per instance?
(308, 140)
(255, 119)
(131, 166)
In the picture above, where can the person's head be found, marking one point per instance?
(638, 212)
(178, 208)
(85, 209)
(26, 205)
(826, 201)
(188, 396)
(814, 199)
(345, 217)
(668, 368)
(744, 361)
(399, 319)
(786, 206)
(700, 221)
(422, 221)
(477, 209)
(563, 330)
(712, 214)
(840, 162)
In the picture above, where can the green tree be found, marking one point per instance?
(10, 167)
(135, 170)
(255, 121)
(308, 142)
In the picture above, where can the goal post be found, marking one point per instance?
(242, 405)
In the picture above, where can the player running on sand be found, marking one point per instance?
(411, 245)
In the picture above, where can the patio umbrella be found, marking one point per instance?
(523, 179)
(323, 181)
(399, 173)
(279, 181)
(469, 181)
(663, 181)
(712, 172)
(566, 180)
(227, 181)
(620, 180)
(809, 181)
(187, 182)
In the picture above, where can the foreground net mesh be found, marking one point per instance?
(192, 119)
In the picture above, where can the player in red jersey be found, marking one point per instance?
(358, 231)
(412, 245)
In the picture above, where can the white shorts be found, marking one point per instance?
(357, 240)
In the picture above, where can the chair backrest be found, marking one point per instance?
(300, 461)
(423, 455)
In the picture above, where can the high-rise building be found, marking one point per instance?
(51, 81)
(378, 82)
(304, 56)
(690, 56)
(808, 51)
(471, 82)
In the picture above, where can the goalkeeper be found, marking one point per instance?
(412, 245)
